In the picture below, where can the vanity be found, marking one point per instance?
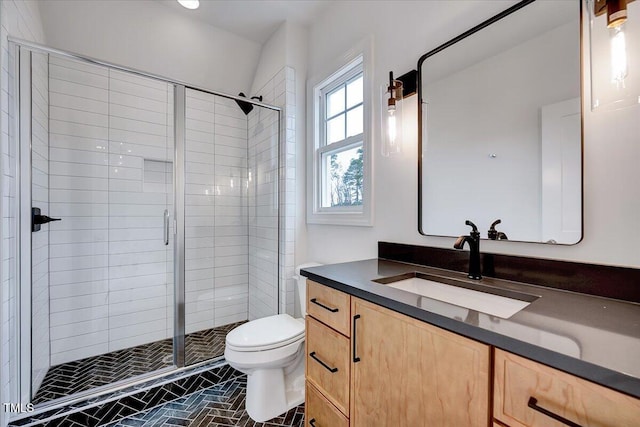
(386, 356)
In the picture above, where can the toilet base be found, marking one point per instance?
(272, 392)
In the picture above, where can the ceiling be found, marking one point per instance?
(255, 20)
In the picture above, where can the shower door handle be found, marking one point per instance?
(37, 219)
(166, 227)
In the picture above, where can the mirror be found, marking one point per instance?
(500, 128)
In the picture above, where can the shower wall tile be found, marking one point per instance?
(216, 210)
(20, 19)
(40, 241)
(263, 212)
(140, 264)
(271, 264)
(109, 132)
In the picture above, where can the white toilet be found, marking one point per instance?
(271, 352)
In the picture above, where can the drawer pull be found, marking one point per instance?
(315, 301)
(533, 404)
(327, 367)
(312, 422)
(356, 359)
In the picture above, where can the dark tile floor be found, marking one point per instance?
(86, 374)
(220, 405)
(134, 399)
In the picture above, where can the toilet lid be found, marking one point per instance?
(266, 333)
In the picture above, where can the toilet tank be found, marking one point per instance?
(301, 284)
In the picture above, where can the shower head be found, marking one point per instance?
(245, 106)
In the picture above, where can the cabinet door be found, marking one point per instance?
(410, 373)
(529, 394)
(328, 363)
(329, 306)
(320, 413)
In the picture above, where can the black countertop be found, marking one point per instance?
(594, 338)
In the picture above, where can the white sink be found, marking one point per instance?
(484, 302)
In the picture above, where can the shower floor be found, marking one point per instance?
(86, 374)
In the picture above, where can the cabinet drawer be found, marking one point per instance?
(525, 390)
(329, 306)
(319, 412)
(327, 363)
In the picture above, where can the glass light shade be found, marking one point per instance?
(190, 4)
(615, 60)
(391, 124)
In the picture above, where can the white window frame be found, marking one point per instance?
(352, 64)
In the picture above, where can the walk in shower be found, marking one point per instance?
(148, 222)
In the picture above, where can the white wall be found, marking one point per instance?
(19, 19)
(611, 146)
(151, 37)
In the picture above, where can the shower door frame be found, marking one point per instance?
(23, 163)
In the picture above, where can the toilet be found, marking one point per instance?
(270, 351)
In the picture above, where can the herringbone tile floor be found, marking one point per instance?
(86, 374)
(220, 405)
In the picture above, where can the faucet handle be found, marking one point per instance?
(492, 234)
(475, 234)
(474, 229)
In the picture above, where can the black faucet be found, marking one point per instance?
(494, 234)
(474, 250)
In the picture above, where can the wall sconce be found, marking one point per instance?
(391, 122)
(614, 38)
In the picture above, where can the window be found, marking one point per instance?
(340, 182)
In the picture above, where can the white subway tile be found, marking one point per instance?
(136, 306)
(78, 90)
(63, 114)
(77, 103)
(79, 328)
(77, 276)
(115, 345)
(78, 249)
(143, 269)
(78, 170)
(150, 256)
(133, 101)
(136, 89)
(124, 320)
(139, 281)
(77, 143)
(78, 65)
(140, 80)
(78, 263)
(120, 136)
(137, 294)
(76, 289)
(77, 354)
(77, 236)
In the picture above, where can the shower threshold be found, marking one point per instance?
(86, 374)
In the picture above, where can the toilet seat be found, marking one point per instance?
(267, 333)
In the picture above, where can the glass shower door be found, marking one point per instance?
(231, 219)
(102, 276)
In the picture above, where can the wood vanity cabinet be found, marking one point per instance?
(368, 366)
(406, 372)
(400, 371)
(529, 394)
